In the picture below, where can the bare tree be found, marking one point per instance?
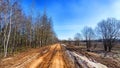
(69, 41)
(77, 39)
(88, 34)
(109, 31)
(6, 6)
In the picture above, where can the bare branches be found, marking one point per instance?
(88, 34)
(109, 30)
(77, 39)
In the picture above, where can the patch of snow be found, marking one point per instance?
(63, 45)
(69, 54)
(45, 51)
(91, 64)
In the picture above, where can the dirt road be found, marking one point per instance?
(58, 56)
(52, 56)
(52, 59)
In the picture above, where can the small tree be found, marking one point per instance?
(69, 41)
(88, 34)
(77, 39)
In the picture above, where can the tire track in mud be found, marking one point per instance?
(58, 60)
(25, 61)
(44, 59)
(47, 59)
(54, 58)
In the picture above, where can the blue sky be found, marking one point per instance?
(70, 16)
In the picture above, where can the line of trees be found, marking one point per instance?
(106, 30)
(19, 31)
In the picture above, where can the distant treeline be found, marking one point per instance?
(98, 40)
(106, 31)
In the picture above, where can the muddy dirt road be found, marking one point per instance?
(58, 56)
(52, 56)
(52, 59)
